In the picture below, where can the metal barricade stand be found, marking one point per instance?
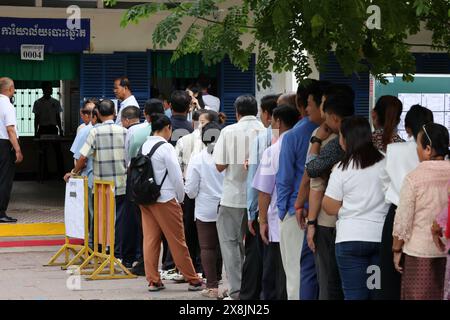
(105, 265)
(80, 252)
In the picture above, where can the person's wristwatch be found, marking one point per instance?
(314, 139)
(312, 222)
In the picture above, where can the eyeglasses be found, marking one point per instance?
(425, 131)
(86, 112)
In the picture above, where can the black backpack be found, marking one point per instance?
(143, 187)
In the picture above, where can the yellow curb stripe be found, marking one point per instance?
(32, 229)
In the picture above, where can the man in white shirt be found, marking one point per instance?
(230, 154)
(86, 113)
(10, 152)
(211, 102)
(122, 91)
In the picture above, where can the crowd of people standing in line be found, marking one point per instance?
(301, 203)
(305, 202)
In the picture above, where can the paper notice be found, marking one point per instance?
(434, 101)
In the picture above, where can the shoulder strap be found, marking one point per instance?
(155, 147)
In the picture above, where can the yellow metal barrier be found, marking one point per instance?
(80, 252)
(105, 265)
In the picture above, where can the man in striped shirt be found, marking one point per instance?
(106, 145)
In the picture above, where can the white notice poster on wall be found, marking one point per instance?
(434, 101)
(74, 209)
(409, 99)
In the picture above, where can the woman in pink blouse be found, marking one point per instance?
(423, 196)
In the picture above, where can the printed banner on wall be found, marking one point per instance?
(57, 35)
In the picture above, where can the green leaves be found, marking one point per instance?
(317, 25)
(283, 33)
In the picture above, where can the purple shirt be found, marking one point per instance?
(265, 181)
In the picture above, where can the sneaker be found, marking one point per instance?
(210, 293)
(153, 286)
(228, 298)
(138, 269)
(179, 278)
(196, 286)
(6, 219)
(169, 274)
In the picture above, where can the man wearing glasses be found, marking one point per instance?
(86, 114)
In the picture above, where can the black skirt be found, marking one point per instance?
(390, 278)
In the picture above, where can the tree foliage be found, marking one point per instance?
(283, 32)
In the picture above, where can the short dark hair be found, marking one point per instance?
(203, 81)
(88, 101)
(131, 112)
(106, 108)
(269, 103)
(153, 106)
(317, 89)
(436, 136)
(213, 116)
(416, 117)
(339, 100)
(180, 101)
(197, 113)
(95, 112)
(46, 84)
(287, 114)
(357, 134)
(159, 121)
(124, 82)
(303, 92)
(246, 105)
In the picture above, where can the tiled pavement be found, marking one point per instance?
(22, 276)
(33, 202)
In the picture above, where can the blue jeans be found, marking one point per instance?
(309, 286)
(353, 259)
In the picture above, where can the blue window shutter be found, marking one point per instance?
(359, 83)
(138, 70)
(432, 63)
(233, 83)
(115, 67)
(98, 72)
(91, 76)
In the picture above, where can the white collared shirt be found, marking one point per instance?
(130, 132)
(188, 146)
(232, 149)
(130, 101)
(211, 102)
(7, 117)
(204, 183)
(165, 159)
(401, 159)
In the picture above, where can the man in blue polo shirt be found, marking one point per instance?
(292, 164)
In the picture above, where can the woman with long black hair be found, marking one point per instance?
(386, 117)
